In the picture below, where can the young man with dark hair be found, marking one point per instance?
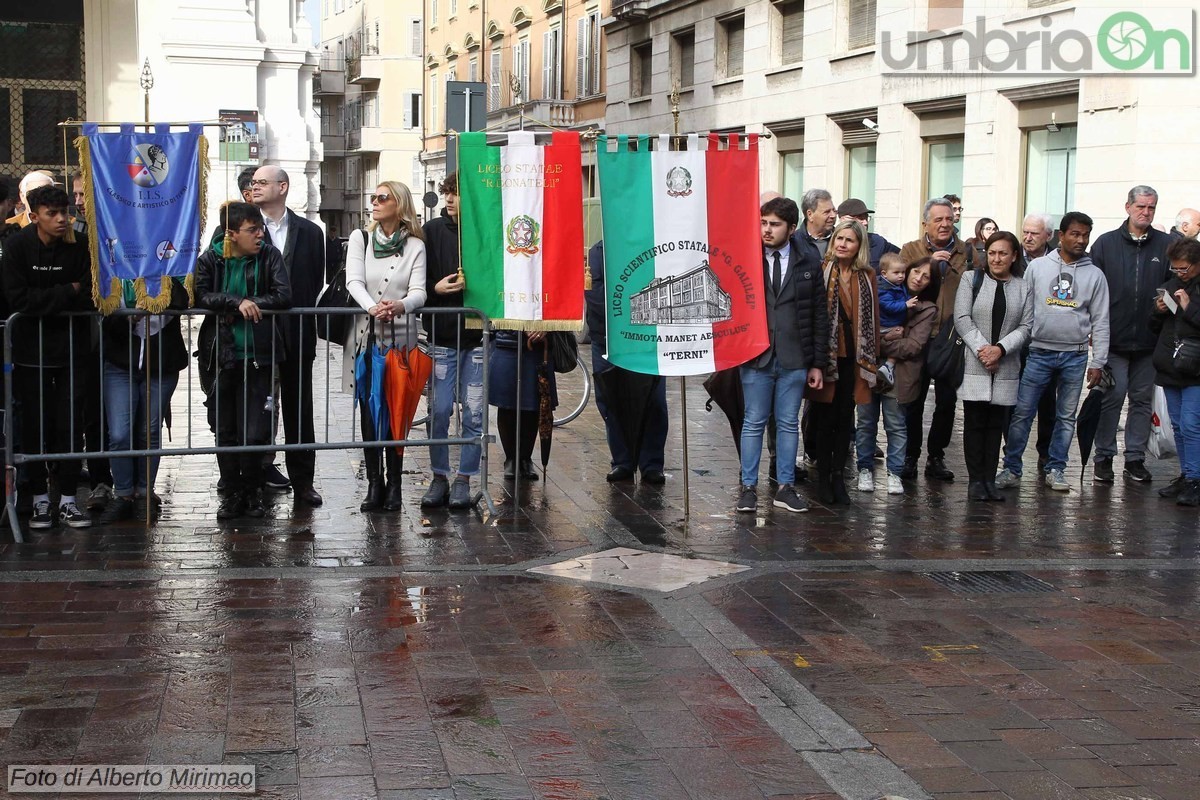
(1070, 311)
(773, 383)
(44, 275)
(457, 358)
(240, 275)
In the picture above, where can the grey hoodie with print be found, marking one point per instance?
(1070, 305)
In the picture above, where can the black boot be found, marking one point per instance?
(824, 484)
(977, 490)
(909, 471)
(372, 459)
(935, 468)
(993, 492)
(1190, 495)
(1173, 488)
(394, 497)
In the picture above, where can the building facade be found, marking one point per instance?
(371, 104)
(542, 64)
(206, 56)
(850, 109)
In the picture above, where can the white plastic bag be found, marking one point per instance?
(1162, 437)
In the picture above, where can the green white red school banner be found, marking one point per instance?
(683, 261)
(521, 214)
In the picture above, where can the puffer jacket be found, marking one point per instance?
(270, 289)
(1134, 269)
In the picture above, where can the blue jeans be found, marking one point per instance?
(895, 422)
(767, 390)
(1183, 404)
(457, 378)
(127, 416)
(1041, 366)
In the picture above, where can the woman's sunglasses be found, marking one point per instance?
(380, 198)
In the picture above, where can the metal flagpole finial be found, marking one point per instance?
(147, 79)
(674, 100)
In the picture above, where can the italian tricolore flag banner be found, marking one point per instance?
(683, 263)
(521, 216)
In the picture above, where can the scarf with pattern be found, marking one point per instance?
(383, 245)
(865, 347)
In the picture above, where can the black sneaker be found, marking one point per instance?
(748, 500)
(254, 504)
(1136, 471)
(437, 494)
(1190, 495)
(786, 498)
(460, 494)
(909, 471)
(231, 506)
(1102, 471)
(1173, 488)
(118, 508)
(70, 514)
(274, 479)
(42, 517)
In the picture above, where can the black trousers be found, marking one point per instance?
(46, 425)
(296, 406)
(88, 400)
(941, 429)
(506, 426)
(375, 459)
(983, 426)
(243, 414)
(833, 422)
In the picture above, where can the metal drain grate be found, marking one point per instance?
(1000, 582)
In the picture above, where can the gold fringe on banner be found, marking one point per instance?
(106, 303)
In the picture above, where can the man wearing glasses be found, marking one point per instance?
(303, 248)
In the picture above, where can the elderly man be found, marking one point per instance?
(819, 218)
(1134, 260)
(949, 256)
(1036, 232)
(303, 248)
(1187, 223)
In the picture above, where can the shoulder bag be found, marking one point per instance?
(1185, 353)
(946, 359)
(334, 328)
(563, 350)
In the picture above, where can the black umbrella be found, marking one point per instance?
(1088, 419)
(725, 389)
(628, 395)
(545, 372)
(1086, 424)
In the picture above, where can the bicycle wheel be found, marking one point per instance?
(574, 393)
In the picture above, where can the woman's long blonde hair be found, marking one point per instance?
(863, 259)
(405, 209)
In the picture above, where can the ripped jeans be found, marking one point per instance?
(457, 377)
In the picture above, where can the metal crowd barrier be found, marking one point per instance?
(194, 441)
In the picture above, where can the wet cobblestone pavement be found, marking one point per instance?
(415, 656)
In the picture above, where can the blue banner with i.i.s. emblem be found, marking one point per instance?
(145, 210)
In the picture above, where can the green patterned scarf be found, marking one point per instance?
(384, 245)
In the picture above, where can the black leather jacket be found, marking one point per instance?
(271, 290)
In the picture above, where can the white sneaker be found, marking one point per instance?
(1057, 481)
(866, 481)
(1007, 480)
(99, 497)
(809, 461)
(895, 485)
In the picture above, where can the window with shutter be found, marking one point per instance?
(526, 51)
(594, 52)
(473, 69)
(435, 88)
(861, 23)
(581, 57)
(684, 51)
(433, 13)
(494, 79)
(547, 63)
(732, 42)
(416, 42)
(453, 9)
(791, 32)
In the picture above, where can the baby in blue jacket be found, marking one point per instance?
(894, 304)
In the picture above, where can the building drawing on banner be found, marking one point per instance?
(693, 298)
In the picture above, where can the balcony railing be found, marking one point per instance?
(631, 9)
(557, 113)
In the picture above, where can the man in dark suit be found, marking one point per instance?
(774, 382)
(303, 248)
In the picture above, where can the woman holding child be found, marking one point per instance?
(853, 355)
(993, 313)
(902, 346)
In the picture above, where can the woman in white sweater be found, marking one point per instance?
(385, 274)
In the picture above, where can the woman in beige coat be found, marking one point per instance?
(385, 274)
